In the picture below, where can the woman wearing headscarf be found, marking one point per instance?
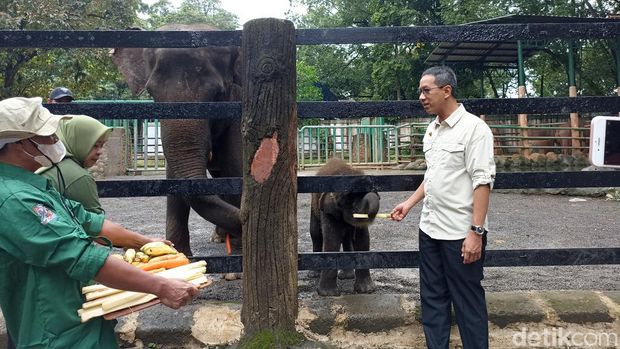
(83, 138)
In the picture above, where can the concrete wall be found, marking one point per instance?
(112, 162)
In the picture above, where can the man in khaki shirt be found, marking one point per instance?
(458, 148)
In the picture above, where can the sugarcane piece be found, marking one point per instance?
(365, 215)
(99, 294)
(87, 314)
(129, 296)
(100, 287)
(104, 293)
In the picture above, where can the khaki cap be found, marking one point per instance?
(22, 117)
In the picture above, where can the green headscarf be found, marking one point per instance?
(79, 134)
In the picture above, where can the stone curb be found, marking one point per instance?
(371, 321)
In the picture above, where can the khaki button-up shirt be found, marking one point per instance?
(459, 158)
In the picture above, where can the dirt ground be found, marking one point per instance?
(517, 221)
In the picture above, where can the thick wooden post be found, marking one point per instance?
(269, 199)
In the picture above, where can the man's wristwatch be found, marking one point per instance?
(478, 229)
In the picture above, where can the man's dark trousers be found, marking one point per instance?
(446, 281)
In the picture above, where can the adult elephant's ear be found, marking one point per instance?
(131, 64)
(237, 62)
(233, 81)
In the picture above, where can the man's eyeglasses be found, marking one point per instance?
(427, 90)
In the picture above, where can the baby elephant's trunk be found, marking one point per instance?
(370, 204)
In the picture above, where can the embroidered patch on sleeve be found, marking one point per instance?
(45, 214)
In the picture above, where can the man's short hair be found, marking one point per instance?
(61, 92)
(444, 75)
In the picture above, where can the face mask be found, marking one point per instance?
(52, 153)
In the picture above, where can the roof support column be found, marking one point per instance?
(572, 92)
(482, 116)
(525, 143)
(618, 68)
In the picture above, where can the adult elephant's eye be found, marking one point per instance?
(220, 95)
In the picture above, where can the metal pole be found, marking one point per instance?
(520, 63)
(618, 68)
(571, 63)
(572, 92)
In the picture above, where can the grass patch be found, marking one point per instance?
(271, 339)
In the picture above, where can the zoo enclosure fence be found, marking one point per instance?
(367, 146)
(398, 109)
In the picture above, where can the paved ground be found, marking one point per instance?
(517, 221)
(534, 296)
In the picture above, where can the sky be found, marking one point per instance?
(250, 9)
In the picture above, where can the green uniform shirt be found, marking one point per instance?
(76, 183)
(46, 255)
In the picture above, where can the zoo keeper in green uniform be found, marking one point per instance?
(46, 243)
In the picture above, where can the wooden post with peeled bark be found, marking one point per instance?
(269, 199)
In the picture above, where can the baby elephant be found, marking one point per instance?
(332, 225)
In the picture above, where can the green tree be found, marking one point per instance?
(190, 11)
(385, 71)
(391, 71)
(547, 70)
(34, 71)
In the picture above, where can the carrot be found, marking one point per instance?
(228, 246)
(168, 264)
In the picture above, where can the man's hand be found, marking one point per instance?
(400, 211)
(472, 248)
(175, 293)
(167, 242)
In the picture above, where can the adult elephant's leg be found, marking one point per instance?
(177, 214)
(185, 145)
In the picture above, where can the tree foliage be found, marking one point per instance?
(88, 72)
(35, 71)
(189, 11)
(382, 71)
(368, 71)
(391, 71)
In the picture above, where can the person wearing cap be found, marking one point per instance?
(84, 138)
(47, 251)
(60, 95)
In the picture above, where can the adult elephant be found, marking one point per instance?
(192, 146)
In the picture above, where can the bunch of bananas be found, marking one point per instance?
(157, 248)
(150, 252)
(135, 258)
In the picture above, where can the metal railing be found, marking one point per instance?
(360, 145)
(368, 146)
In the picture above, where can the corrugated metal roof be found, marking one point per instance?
(498, 54)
